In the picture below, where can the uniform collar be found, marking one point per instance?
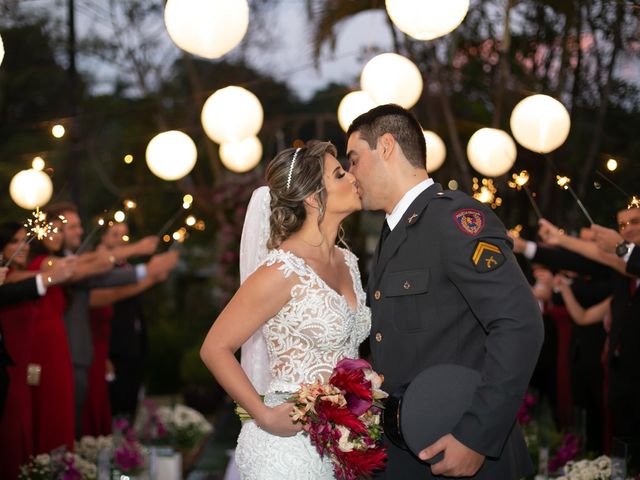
(405, 202)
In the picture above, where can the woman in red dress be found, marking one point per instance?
(17, 322)
(96, 417)
(53, 398)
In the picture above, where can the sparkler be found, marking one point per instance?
(564, 183)
(90, 235)
(486, 193)
(187, 200)
(37, 227)
(520, 181)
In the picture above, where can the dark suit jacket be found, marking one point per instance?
(633, 264)
(128, 332)
(76, 315)
(432, 303)
(11, 293)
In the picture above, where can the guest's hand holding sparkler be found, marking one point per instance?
(552, 235)
(606, 238)
(161, 264)
(519, 243)
(549, 233)
(3, 274)
(141, 248)
(58, 271)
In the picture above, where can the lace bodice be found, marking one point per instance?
(316, 328)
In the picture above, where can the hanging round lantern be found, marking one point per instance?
(392, 78)
(427, 19)
(207, 28)
(353, 105)
(436, 151)
(1, 51)
(231, 114)
(30, 189)
(241, 156)
(491, 152)
(540, 123)
(171, 155)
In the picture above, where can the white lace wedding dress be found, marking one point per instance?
(313, 331)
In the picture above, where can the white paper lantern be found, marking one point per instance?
(1, 50)
(427, 19)
(231, 114)
(171, 155)
(30, 189)
(436, 151)
(540, 123)
(392, 78)
(207, 28)
(491, 152)
(353, 105)
(241, 156)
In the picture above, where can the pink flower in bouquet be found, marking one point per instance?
(342, 418)
(568, 450)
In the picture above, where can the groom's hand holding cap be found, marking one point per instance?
(424, 412)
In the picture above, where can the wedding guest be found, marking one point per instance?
(624, 336)
(17, 316)
(76, 313)
(104, 302)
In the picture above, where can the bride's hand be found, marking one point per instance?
(277, 421)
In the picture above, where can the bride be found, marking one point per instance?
(304, 301)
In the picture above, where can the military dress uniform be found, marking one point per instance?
(446, 288)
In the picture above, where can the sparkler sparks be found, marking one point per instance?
(486, 193)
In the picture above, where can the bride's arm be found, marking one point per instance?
(259, 298)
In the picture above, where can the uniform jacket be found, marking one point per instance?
(446, 288)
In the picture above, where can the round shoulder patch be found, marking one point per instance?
(469, 221)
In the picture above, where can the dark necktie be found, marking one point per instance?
(385, 233)
(383, 236)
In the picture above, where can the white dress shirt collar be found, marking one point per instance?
(405, 202)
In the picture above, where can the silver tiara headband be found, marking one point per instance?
(293, 162)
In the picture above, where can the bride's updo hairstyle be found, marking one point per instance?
(290, 181)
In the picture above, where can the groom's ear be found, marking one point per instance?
(386, 145)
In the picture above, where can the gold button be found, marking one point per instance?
(407, 285)
(378, 337)
(376, 295)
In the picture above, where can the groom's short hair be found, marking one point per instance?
(400, 123)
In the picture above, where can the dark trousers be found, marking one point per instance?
(80, 386)
(124, 390)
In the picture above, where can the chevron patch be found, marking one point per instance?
(487, 257)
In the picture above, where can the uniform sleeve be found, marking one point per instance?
(479, 261)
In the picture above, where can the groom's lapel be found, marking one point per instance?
(399, 234)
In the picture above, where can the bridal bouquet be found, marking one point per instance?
(342, 418)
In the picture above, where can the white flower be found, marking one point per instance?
(343, 443)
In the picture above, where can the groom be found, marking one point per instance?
(444, 288)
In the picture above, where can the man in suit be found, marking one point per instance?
(76, 316)
(444, 288)
(624, 334)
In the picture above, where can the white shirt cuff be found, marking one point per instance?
(42, 288)
(626, 256)
(141, 271)
(530, 250)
